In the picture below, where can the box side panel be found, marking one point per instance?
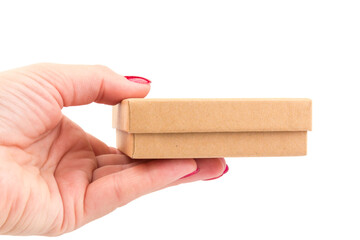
(219, 115)
(203, 145)
(121, 116)
(309, 117)
(125, 142)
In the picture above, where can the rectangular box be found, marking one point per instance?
(199, 128)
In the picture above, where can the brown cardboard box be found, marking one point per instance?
(199, 128)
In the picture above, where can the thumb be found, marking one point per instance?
(114, 190)
(83, 84)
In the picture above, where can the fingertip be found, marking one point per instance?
(208, 168)
(220, 169)
(173, 169)
(191, 167)
(218, 172)
(130, 89)
(212, 166)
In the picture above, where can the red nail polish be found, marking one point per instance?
(225, 171)
(138, 79)
(190, 174)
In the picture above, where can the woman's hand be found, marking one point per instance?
(54, 177)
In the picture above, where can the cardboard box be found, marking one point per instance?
(201, 128)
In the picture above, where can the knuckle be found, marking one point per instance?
(42, 65)
(102, 68)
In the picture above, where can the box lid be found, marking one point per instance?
(136, 115)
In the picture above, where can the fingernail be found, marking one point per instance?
(192, 173)
(225, 171)
(138, 79)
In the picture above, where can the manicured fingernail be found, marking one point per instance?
(138, 79)
(225, 171)
(190, 174)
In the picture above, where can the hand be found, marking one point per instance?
(54, 177)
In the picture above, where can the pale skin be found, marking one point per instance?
(54, 177)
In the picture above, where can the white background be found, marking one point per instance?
(218, 49)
